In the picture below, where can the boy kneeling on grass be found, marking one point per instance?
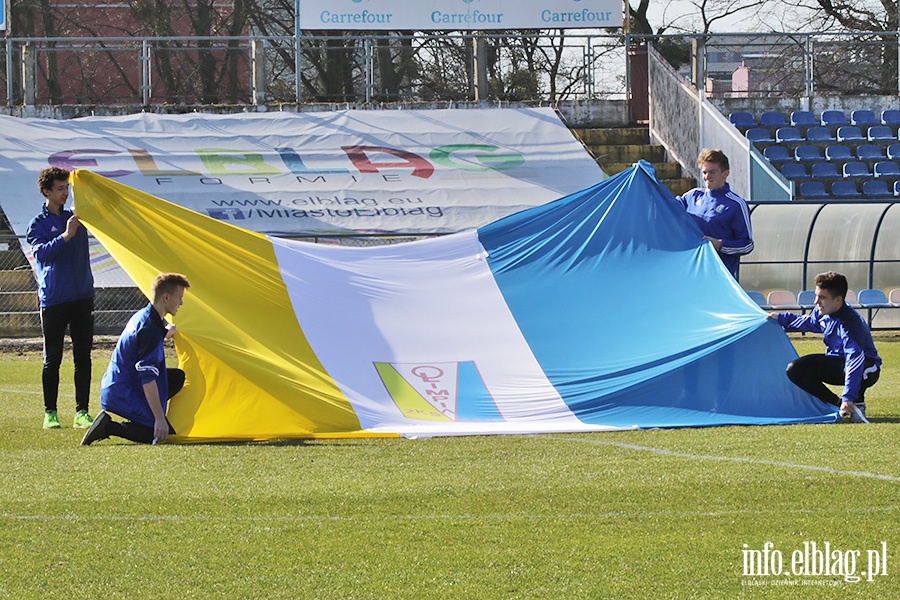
(850, 356)
(137, 385)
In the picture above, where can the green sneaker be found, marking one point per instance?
(51, 419)
(83, 420)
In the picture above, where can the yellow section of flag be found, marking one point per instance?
(251, 373)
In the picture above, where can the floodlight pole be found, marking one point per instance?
(298, 95)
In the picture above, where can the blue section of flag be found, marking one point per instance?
(633, 317)
(474, 401)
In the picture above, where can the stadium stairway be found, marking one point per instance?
(616, 149)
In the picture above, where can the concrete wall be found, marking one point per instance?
(815, 104)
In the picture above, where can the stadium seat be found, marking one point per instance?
(864, 118)
(782, 299)
(742, 120)
(876, 188)
(777, 154)
(839, 152)
(881, 132)
(886, 168)
(844, 188)
(824, 170)
(893, 152)
(772, 119)
(833, 118)
(759, 298)
(808, 153)
(897, 188)
(758, 134)
(803, 118)
(856, 169)
(814, 190)
(850, 133)
(819, 134)
(852, 299)
(894, 297)
(869, 152)
(890, 117)
(873, 299)
(806, 298)
(794, 170)
(786, 135)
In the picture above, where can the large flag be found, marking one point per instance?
(602, 310)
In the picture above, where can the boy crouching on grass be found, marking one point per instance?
(137, 385)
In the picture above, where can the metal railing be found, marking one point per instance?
(526, 66)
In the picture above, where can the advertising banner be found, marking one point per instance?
(458, 15)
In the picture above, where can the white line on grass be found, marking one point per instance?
(771, 463)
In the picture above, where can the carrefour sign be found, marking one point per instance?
(454, 15)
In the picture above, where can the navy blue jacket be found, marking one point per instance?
(846, 335)
(139, 358)
(63, 268)
(723, 215)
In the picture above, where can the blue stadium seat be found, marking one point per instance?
(876, 188)
(869, 152)
(881, 132)
(890, 116)
(772, 119)
(856, 169)
(806, 298)
(777, 154)
(813, 189)
(803, 118)
(819, 134)
(897, 188)
(742, 120)
(824, 170)
(794, 170)
(833, 118)
(886, 168)
(758, 134)
(893, 152)
(844, 188)
(873, 299)
(838, 153)
(759, 298)
(808, 153)
(850, 133)
(864, 118)
(786, 135)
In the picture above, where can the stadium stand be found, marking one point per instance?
(819, 134)
(864, 118)
(782, 300)
(850, 133)
(879, 133)
(813, 190)
(806, 299)
(824, 170)
(807, 152)
(844, 188)
(838, 152)
(794, 170)
(886, 168)
(773, 119)
(869, 152)
(833, 118)
(803, 118)
(856, 170)
(788, 135)
(742, 120)
(876, 188)
(777, 154)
